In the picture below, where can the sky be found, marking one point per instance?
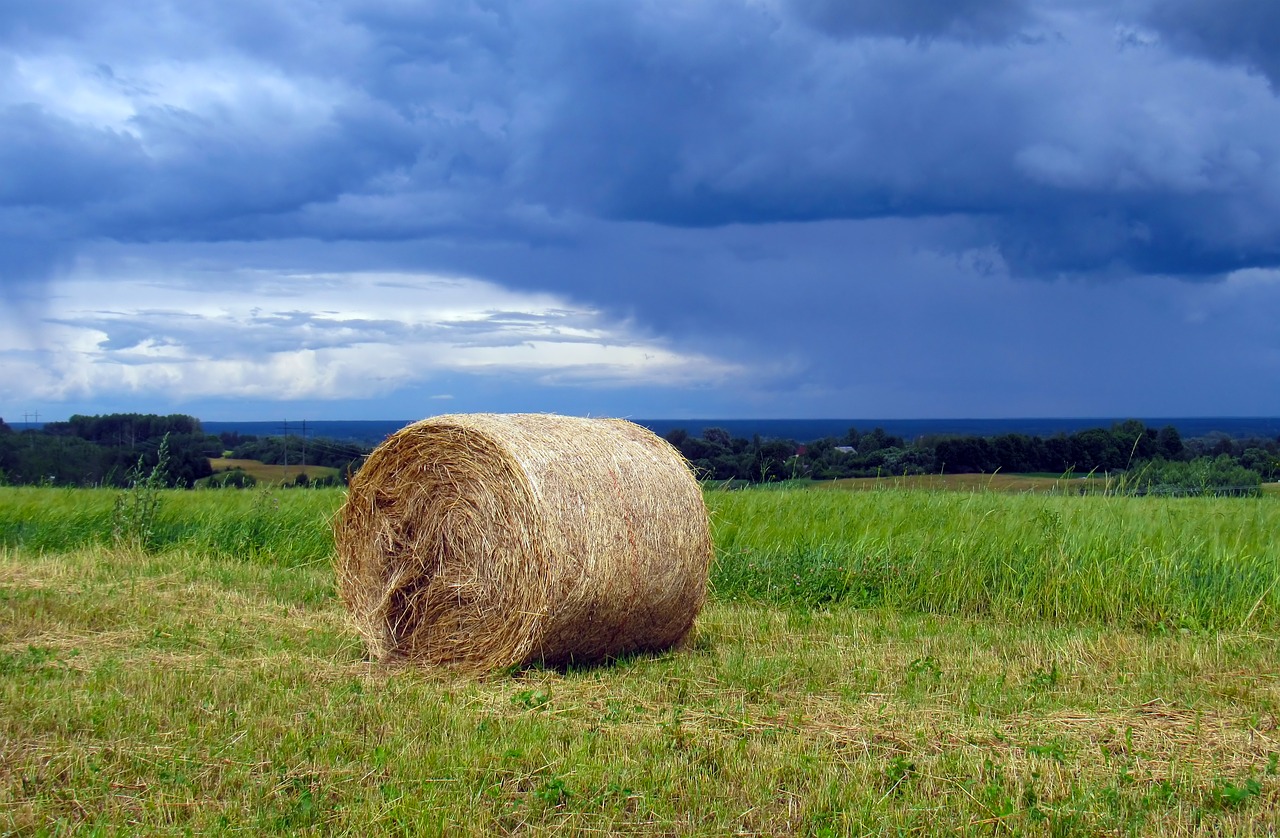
(384, 209)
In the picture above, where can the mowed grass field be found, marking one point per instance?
(887, 662)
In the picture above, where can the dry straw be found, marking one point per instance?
(484, 541)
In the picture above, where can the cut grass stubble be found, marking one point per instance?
(180, 693)
(214, 684)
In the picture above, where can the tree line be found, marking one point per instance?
(1156, 460)
(111, 450)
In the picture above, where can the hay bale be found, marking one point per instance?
(484, 540)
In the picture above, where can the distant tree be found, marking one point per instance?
(1096, 449)
(1169, 443)
(873, 441)
(5, 429)
(125, 429)
(1015, 453)
(33, 457)
(230, 439)
(771, 458)
(1055, 455)
(718, 436)
(966, 455)
(320, 451)
(1134, 440)
(187, 460)
(676, 436)
(903, 461)
(694, 448)
(1262, 461)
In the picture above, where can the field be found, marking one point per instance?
(274, 474)
(1020, 483)
(884, 662)
(1042, 484)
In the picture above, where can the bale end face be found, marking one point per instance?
(483, 541)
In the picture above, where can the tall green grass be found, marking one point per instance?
(1152, 563)
(283, 527)
(1196, 563)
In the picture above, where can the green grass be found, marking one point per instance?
(1190, 563)
(181, 693)
(211, 683)
(282, 526)
(1139, 562)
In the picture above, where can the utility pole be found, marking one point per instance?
(27, 419)
(304, 443)
(285, 430)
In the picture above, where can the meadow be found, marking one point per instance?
(271, 474)
(896, 661)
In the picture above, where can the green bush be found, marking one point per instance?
(1218, 476)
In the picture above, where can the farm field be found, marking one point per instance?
(274, 474)
(897, 661)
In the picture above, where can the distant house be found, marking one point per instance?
(846, 449)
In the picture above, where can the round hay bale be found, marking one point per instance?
(484, 541)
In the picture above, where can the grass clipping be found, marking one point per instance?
(483, 541)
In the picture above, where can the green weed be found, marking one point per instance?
(133, 515)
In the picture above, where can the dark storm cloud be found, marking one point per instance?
(1076, 153)
(699, 119)
(971, 20)
(1244, 31)
(52, 163)
(216, 182)
(508, 124)
(290, 120)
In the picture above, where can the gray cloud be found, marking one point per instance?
(489, 121)
(717, 171)
(1244, 31)
(54, 164)
(966, 20)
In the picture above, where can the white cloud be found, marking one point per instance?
(255, 97)
(280, 336)
(69, 88)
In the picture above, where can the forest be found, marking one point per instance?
(1156, 461)
(111, 450)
